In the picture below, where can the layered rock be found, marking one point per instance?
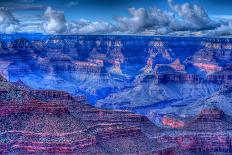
(53, 122)
(178, 78)
(162, 75)
(66, 56)
(221, 77)
(209, 132)
(209, 68)
(51, 94)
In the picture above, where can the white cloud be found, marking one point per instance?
(31, 27)
(87, 27)
(142, 20)
(193, 16)
(72, 3)
(223, 30)
(186, 18)
(56, 22)
(8, 23)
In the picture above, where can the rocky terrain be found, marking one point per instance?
(208, 133)
(115, 94)
(46, 121)
(54, 122)
(110, 71)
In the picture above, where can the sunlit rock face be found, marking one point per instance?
(209, 132)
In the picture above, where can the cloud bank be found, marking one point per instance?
(142, 20)
(193, 17)
(86, 27)
(223, 30)
(181, 19)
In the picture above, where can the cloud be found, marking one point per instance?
(56, 22)
(31, 27)
(180, 20)
(193, 16)
(186, 17)
(72, 3)
(8, 23)
(142, 20)
(87, 27)
(223, 17)
(22, 5)
(223, 30)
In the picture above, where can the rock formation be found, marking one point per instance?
(182, 84)
(52, 122)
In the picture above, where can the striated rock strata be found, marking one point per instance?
(52, 122)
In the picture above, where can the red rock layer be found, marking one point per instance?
(52, 122)
(209, 132)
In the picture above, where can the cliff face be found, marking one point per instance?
(209, 132)
(52, 122)
(123, 54)
(183, 85)
(137, 73)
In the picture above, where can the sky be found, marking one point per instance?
(139, 17)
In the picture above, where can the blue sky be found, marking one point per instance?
(106, 9)
(191, 17)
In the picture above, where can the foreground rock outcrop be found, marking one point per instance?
(52, 122)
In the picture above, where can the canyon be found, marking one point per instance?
(115, 94)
